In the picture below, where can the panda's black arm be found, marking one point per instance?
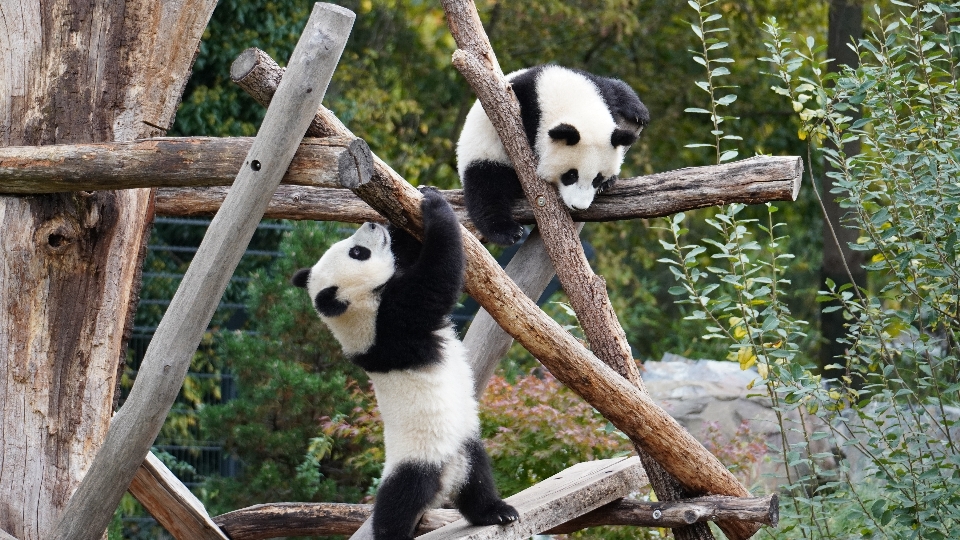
(433, 283)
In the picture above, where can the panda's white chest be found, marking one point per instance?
(429, 412)
(356, 328)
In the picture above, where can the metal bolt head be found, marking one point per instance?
(541, 201)
(657, 514)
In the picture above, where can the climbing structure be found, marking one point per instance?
(606, 376)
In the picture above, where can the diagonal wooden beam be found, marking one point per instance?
(564, 496)
(170, 502)
(136, 425)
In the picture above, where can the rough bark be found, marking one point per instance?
(587, 292)
(74, 72)
(136, 425)
(328, 519)
(619, 401)
(173, 162)
(750, 181)
(845, 27)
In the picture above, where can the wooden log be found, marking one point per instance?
(326, 519)
(629, 409)
(675, 514)
(756, 180)
(75, 72)
(171, 503)
(173, 162)
(137, 423)
(556, 500)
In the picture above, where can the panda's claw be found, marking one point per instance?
(498, 513)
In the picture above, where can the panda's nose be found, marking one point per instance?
(372, 226)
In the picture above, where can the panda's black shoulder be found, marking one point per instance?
(525, 88)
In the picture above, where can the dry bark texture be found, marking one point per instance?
(750, 181)
(174, 162)
(74, 72)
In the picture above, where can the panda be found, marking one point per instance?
(387, 299)
(579, 126)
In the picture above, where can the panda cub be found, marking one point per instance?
(579, 126)
(387, 299)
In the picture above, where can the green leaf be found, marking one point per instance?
(728, 155)
(727, 99)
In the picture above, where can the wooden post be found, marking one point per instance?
(165, 364)
(72, 72)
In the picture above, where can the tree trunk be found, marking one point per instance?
(74, 72)
(846, 26)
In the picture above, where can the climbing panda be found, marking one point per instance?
(579, 126)
(387, 299)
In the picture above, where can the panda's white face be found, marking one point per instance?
(344, 285)
(580, 145)
(579, 168)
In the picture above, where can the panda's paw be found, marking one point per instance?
(607, 184)
(504, 233)
(499, 513)
(433, 200)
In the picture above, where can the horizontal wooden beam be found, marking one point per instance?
(327, 519)
(565, 495)
(173, 162)
(755, 180)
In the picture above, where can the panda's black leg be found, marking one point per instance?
(489, 189)
(478, 499)
(402, 496)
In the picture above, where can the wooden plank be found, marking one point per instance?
(556, 500)
(171, 503)
(137, 423)
(173, 162)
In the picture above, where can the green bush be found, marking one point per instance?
(893, 416)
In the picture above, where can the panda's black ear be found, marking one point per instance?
(565, 132)
(623, 137)
(327, 304)
(300, 278)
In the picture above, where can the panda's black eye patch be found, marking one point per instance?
(569, 178)
(565, 132)
(359, 253)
